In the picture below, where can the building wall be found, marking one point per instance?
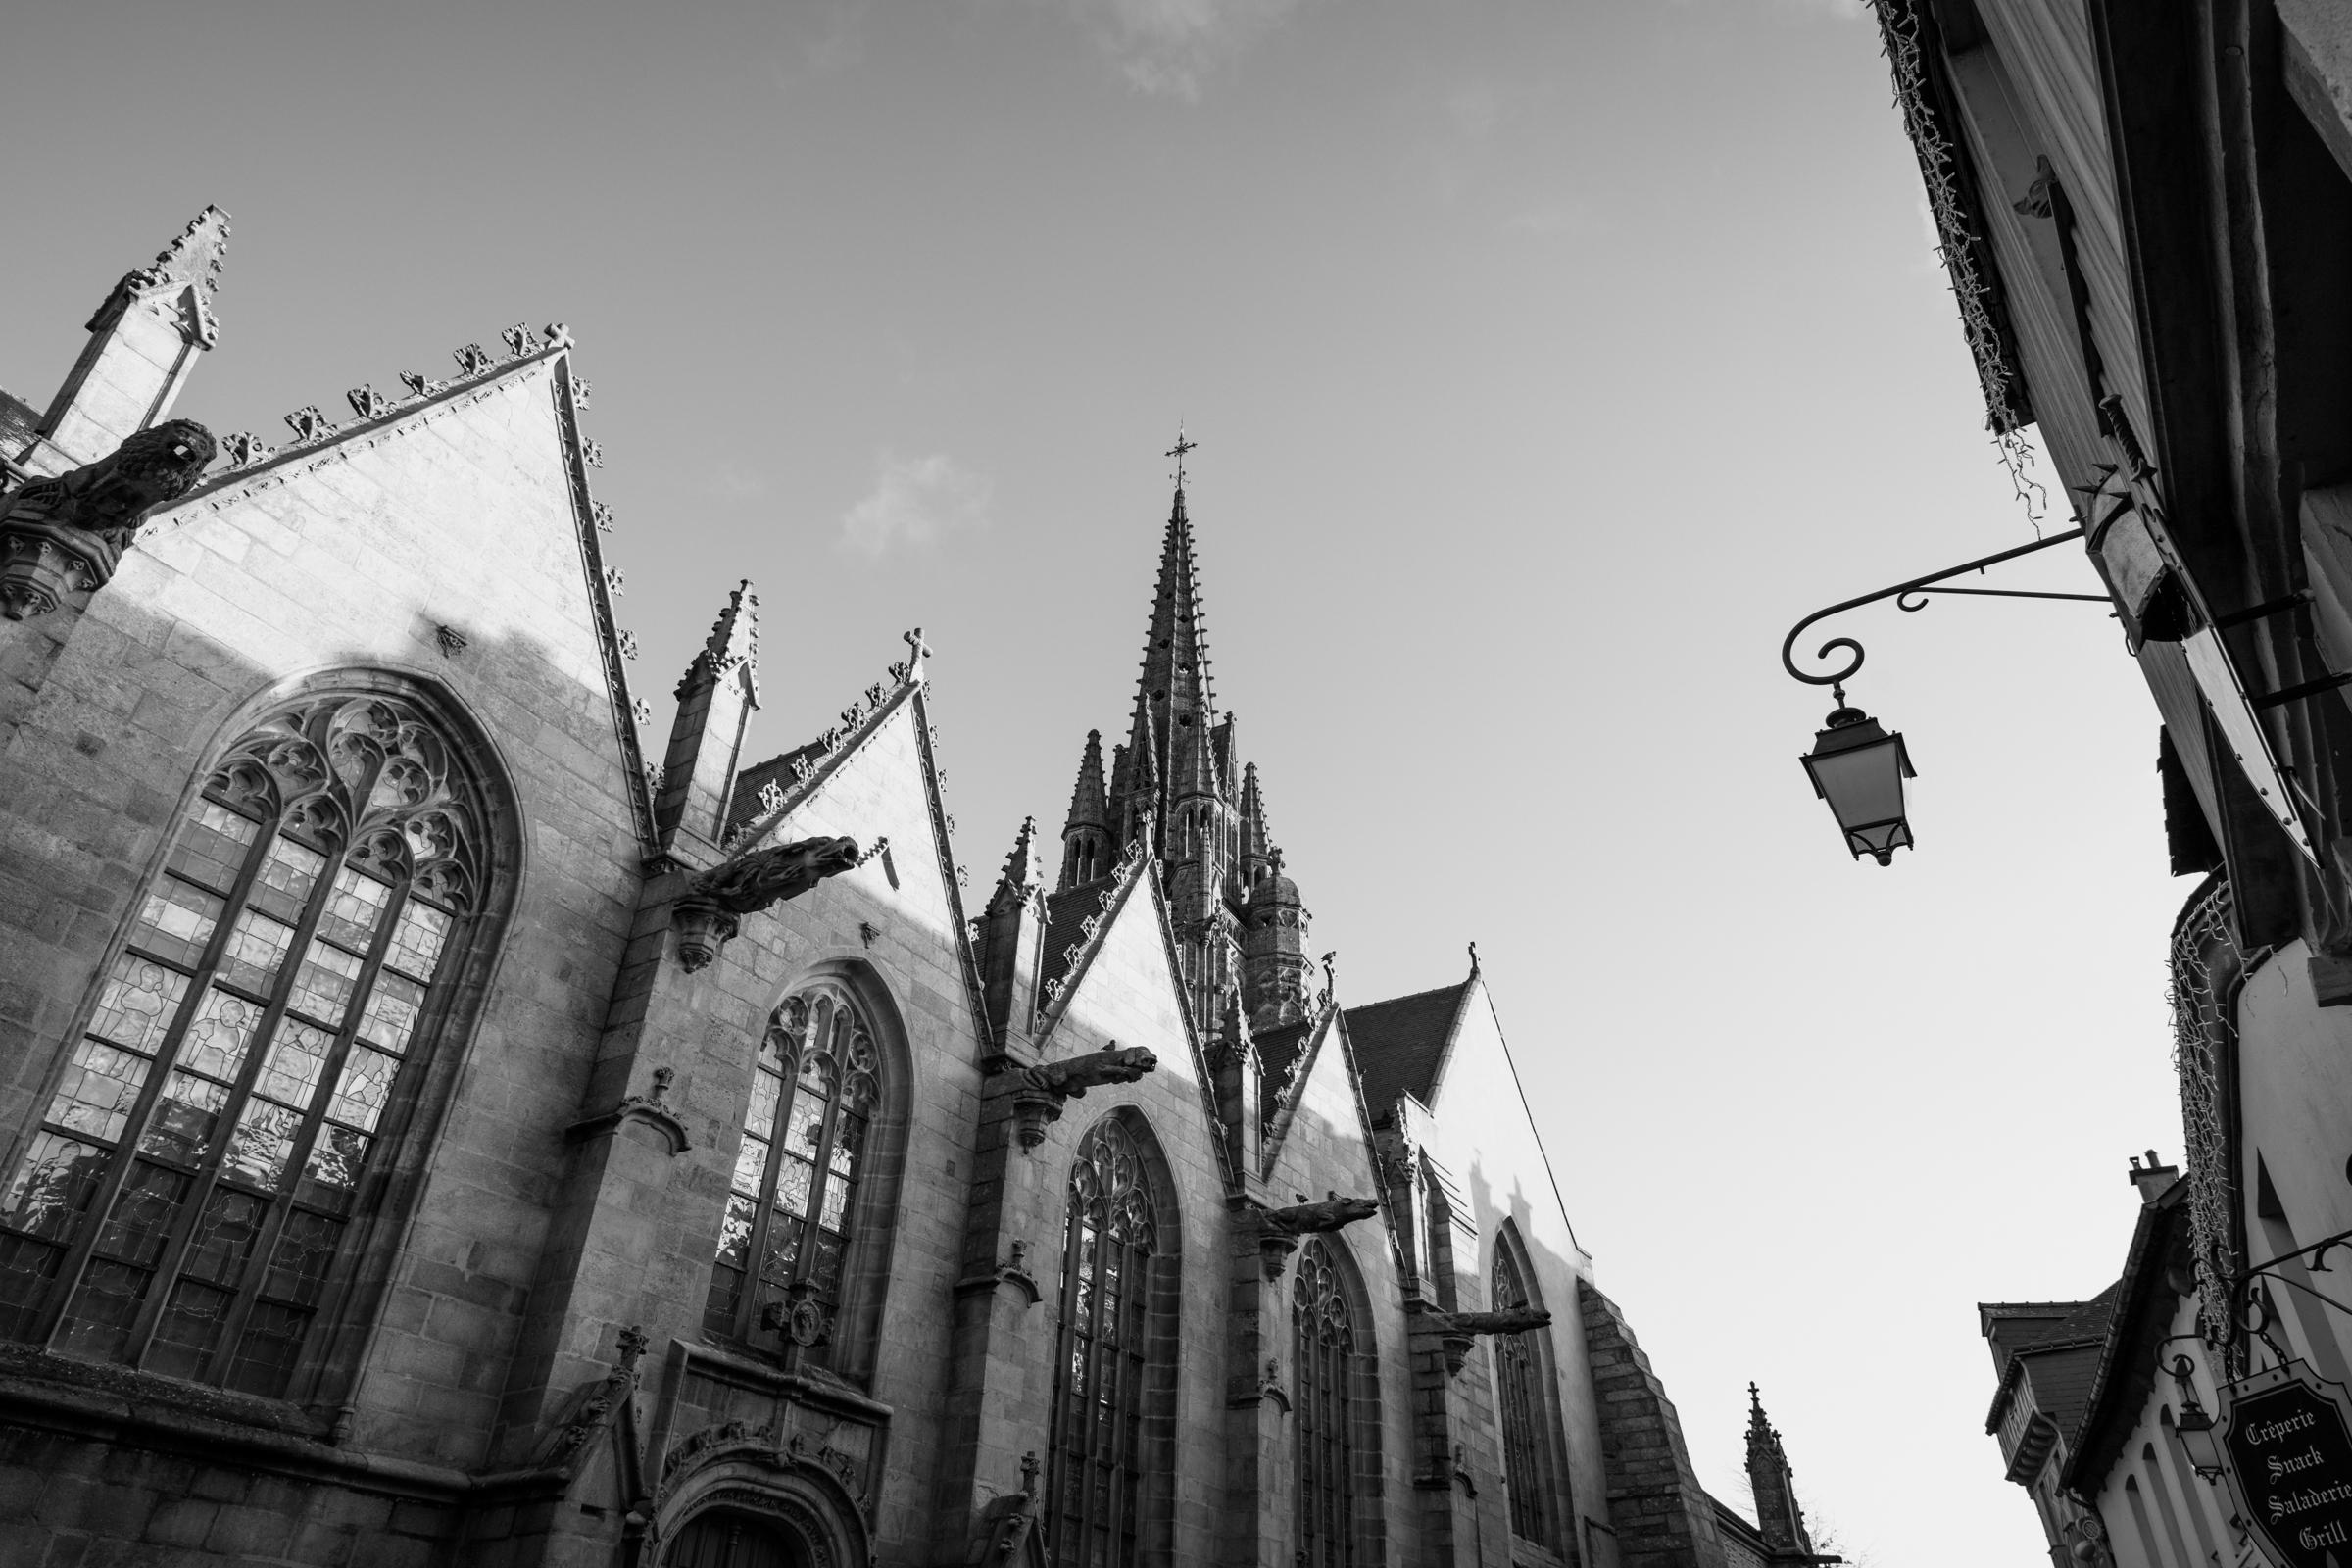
(560, 1193)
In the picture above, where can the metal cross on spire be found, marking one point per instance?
(1178, 451)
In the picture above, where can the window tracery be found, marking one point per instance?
(1528, 1463)
(1108, 1246)
(815, 1094)
(188, 1201)
(1323, 1336)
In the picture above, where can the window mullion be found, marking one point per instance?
(755, 1259)
(819, 1167)
(208, 1171)
(306, 1136)
(1065, 1344)
(117, 1170)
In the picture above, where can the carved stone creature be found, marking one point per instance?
(1309, 1219)
(773, 875)
(1509, 1320)
(1114, 1063)
(112, 496)
(64, 535)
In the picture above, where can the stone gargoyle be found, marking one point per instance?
(1509, 1320)
(1309, 1219)
(1072, 1077)
(110, 497)
(63, 535)
(770, 876)
(704, 916)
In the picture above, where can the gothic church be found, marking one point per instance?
(438, 1127)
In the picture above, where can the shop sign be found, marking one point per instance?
(2287, 1435)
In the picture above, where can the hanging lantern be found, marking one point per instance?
(1859, 768)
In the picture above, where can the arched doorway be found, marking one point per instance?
(724, 1540)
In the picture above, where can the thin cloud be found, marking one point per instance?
(1173, 46)
(914, 506)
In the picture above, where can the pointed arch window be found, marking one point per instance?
(1529, 1464)
(1323, 1334)
(198, 1182)
(815, 1093)
(1108, 1248)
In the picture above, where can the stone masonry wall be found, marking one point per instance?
(1662, 1516)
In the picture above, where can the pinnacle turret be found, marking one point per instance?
(1779, 1519)
(1086, 835)
(1024, 875)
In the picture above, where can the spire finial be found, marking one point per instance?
(917, 651)
(1751, 1387)
(1178, 452)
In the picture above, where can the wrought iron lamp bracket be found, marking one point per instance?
(1904, 594)
(2242, 1289)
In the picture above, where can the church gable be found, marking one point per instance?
(1121, 983)
(453, 534)
(875, 786)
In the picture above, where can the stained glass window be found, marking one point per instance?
(1323, 1336)
(1107, 1261)
(186, 1202)
(1528, 1465)
(795, 1187)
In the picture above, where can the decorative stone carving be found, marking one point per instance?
(1013, 1270)
(581, 386)
(451, 641)
(1071, 1078)
(367, 403)
(596, 1410)
(802, 1317)
(626, 642)
(1007, 1520)
(1270, 1386)
(65, 535)
(308, 424)
(615, 582)
(558, 336)
(603, 514)
(420, 385)
(647, 1109)
(518, 340)
(704, 917)
(1279, 1229)
(1039, 1093)
(245, 449)
(472, 360)
(1454, 1331)
(592, 453)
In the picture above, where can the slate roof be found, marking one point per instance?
(1066, 913)
(2141, 1314)
(1279, 1046)
(1401, 1044)
(743, 806)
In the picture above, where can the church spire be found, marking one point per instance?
(1779, 1519)
(1174, 686)
(1086, 836)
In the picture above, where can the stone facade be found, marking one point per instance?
(433, 1135)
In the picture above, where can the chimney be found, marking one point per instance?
(2154, 1178)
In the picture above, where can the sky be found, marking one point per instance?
(1548, 361)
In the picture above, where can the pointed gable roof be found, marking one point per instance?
(253, 465)
(1401, 1044)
